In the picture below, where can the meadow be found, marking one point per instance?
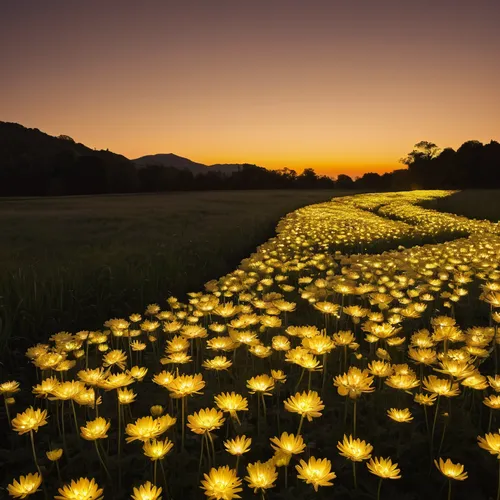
(353, 355)
(70, 263)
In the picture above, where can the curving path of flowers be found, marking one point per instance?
(353, 353)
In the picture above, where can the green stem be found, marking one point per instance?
(434, 426)
(74, 416)
(212, 445)
(101, 460)
(379, 488)
(354, 475)
(7, 409)
(300, 424)
(183, 422)
(237, 463)
(354, 419)
(155, 466)
(449, 489)
(201, 454)
(34, 453)
(164, 479)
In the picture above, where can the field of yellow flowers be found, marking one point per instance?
(352, 356)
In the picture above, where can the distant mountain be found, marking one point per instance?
(175, 161)
(35, 163)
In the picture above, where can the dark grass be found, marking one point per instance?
(70, 263)
(473, 203)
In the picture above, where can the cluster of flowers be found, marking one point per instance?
(299, 313)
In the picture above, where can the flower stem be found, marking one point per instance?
(354, 420)
(434, 426)
(101, 460)
(354, 475)
(183, 422)
(7, 409)
(379, 488)
(34, 454)
(155, 466)
(300, 424)
(449, 489)
(238, 463)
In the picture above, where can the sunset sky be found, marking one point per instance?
(341, 86)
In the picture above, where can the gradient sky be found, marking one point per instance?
(341, 86)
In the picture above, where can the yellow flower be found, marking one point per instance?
(10, 387)
(238, 446)
(317, 471)
(156, 450)
(308, 404)
(425, 399)
(67, 390)
(92, 376)
(278, 376)
(157, 410)
(261, 383)
(490, 443)
(138, 372)
(440, 386)
(400, 415)
(384, 468)
(116, 357)
(355, 449)
(29, 420)
(25, 485)
(46, 387)
(217, 363)
(144, 428)
(288, 443)
(147, 491)
(206, 420)
(54, 455)
(115, 381)
(83, 489)
(261, 476)
(402, 381)
(231, 402)
(354, 383)
(221, 484)
(380, 368)
(126, 396)
(95, 429)
(185, 385)
(451, 470)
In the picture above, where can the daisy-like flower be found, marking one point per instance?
(261, 383)
(384, 468)
(156, 450)
(8, 388)
(185, 385)
(25, 485)
(206, 420)
(67, 390)
(29, 420)
(398, 415)
(146, 491)
(316, 471)
(115, 358)
(218, 363)
(261, 476)
(355, 449)
(441, 386)
(95, 429)
(451, 470)
(307, 404)
(278, 376)
(144, 429)
(232, 403)
(425, 399)
(354, 383)
(221, 484)
(82, 489)
(238, 446)
(126, 396)
(288, 444)
(491, 443)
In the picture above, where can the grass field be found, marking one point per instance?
(71, 263)
(474, 203)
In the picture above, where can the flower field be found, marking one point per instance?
(352, 356)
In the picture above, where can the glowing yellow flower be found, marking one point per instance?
(83, 489)
(261, 476)
(217, 363)
(403, 415)
(29, 420)
(451, 470)
(288, 443)
(185, 385)
(10, 387)
(126, 396)
(146, 491)
(156, 450)
(116, 357)
(221, 484)
(95, 429)
(316, 471)
(354, 383)
(261, 383)
(25, 485)
(238, 446)
(232, 403)
(384, 468)
(206, 420)
(355, 449)
(490, 443)
(308, 404)
(146, 428)
(440, 386)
